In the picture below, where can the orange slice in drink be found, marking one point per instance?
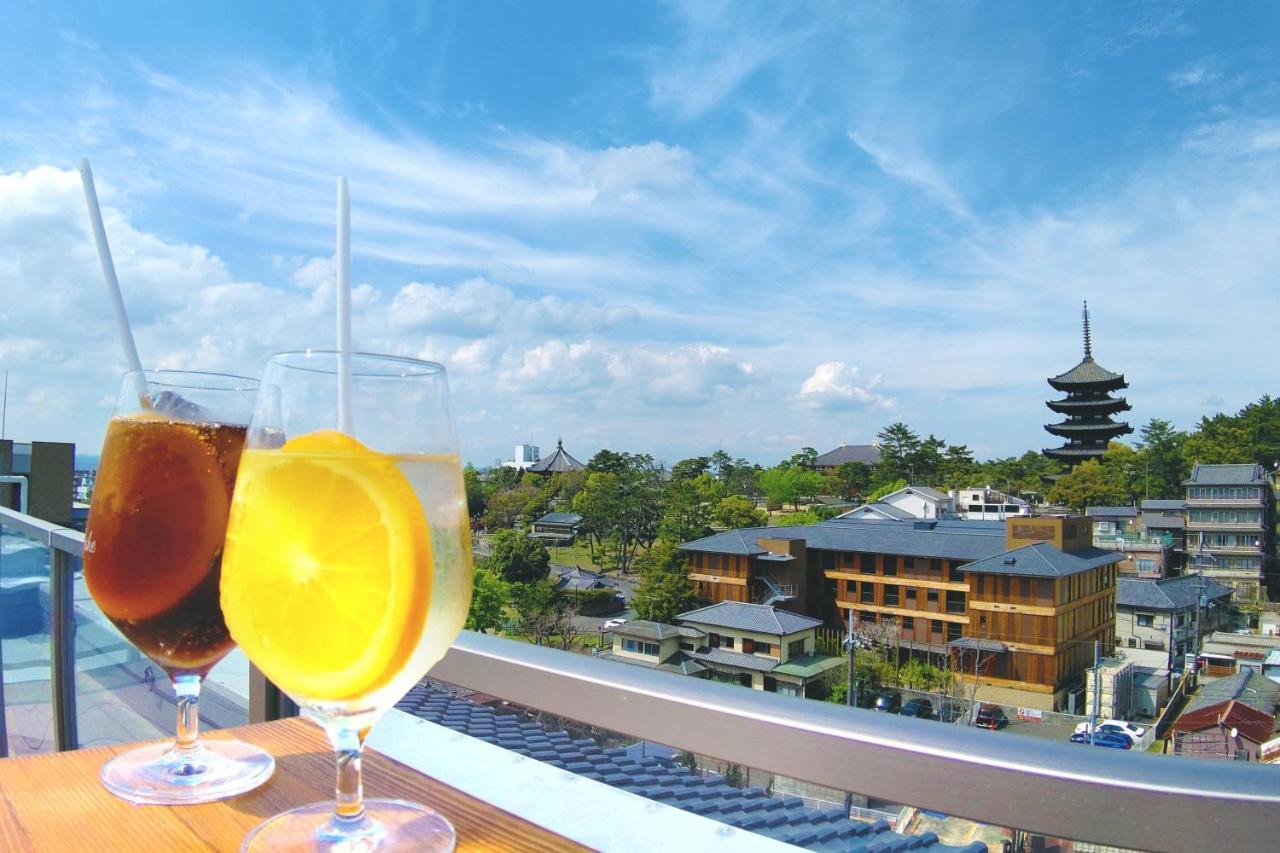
(158, 519)
(326, 578)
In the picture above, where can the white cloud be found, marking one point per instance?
(1195, 74)
(835, 385)
(899, 163)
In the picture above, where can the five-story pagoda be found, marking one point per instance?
(1088, 407)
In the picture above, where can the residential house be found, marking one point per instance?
(1156, 619)
(1225, 653)
(988, 504)
(877, 511)
(921, 502)
(556, 528)
(1231, 525)
(749, 644)
(1119, 528)
(1166, 520)
(1228, 719)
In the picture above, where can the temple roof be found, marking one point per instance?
(1085, 428)
(1079, 405)
(557, 463)
(1087, 372)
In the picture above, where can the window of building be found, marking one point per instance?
(763, 648)
(795, 648)
(1153, 645)
(935, 626)
(908, 623)
(1146, 565)
(868, 593)
(956, 573)
(935, 565)
(867, 564)
(908, 562)
(713, 640)
(639, 647)
(891, 595)
(726, 641)
(686, 647)
(955, 602)
(828, 560)
(1145, 620)
(890, 566)
(868, 617)
(933, 596)
(748, 645)
(954, 631)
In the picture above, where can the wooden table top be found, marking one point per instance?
(55, 802)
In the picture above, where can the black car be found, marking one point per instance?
(922, 708)
(888, 703)
(990, 717)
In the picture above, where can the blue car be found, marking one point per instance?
(1111, 739)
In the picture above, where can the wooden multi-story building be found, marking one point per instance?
(1021, 601)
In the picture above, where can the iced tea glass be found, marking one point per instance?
(152, 562)
(347, 572)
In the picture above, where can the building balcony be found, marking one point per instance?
(1227, 503)
(1008, 781)
(1121, 542)
(1226, 526)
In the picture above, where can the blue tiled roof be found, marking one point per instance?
(950, 539)
(762, 618)
(662, 780)
(1045, 560)
(1226, 475)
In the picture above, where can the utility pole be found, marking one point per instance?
(1097, 691)
(851, 694)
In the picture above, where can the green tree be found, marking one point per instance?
(665, 589)
(958, 467)
(1160, 453)
(621, 509)
(688, 469)
(798, 519)
(542, 609)
(477, 498)
(898, 449)
(721, 463)
(607, 461)
(502, 477)
(517, 558)
(504, 508)
(489, 597)
(849, 479)
(734, 512)
(1089, 484)
(734, 776)
(925, 464)
(689, 504)
(886, 489)
(807, 458)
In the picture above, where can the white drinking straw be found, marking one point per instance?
(344, 307)
(109, 271)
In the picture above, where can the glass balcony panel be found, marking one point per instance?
(25, 644)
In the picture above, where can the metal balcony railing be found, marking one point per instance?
(1054, 788)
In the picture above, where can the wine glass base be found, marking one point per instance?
(387, 825)
(161, 774)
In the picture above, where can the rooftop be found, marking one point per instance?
(1087, 372)
(944, 538)
(1226, 475)
(662, 780)
(1251, 688)
(560, 518)
(1044, 560)
(1161, 521)
(557, 463)
(1164, 503)
(750, 617)
(1111, 512)
(1178, 593)
(879, 509)
(646, 630)
(867, 454)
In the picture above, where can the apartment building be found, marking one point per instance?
(939, 588)
(1230, 527)
(1120, 528)
(1156, 619)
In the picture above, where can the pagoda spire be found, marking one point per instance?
(1088, 340)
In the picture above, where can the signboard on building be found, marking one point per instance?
(1031, 715)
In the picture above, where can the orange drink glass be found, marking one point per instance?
(347, 571)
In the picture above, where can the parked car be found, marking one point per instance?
(613, 623)
(990, 717)
(888, 703)
(917, 708)
(1133, 731)
(1115, 740)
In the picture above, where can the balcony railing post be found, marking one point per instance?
(62, 647)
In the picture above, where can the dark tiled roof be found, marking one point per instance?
(578, 578)
(1226, 475)
(951, 539)
(1178, 593)
(647, 630)
(662, 780)
(1164, 503)
(1087, 372)
(557, 463)
(1044, 560)
(1111, 511)
(760, 618)
(868, 454)
(741, 660)
(1159, 521)
(560, 518)
(1251, 688)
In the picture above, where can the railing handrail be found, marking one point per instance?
(1059, 789)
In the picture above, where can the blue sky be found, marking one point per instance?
(668, 228)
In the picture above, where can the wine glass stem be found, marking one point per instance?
(187, 740)
(349, 808)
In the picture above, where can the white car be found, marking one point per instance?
(613, 623)
(1134, 732)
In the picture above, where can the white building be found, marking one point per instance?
(921, 502)
(988, 504)
(525, 456)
